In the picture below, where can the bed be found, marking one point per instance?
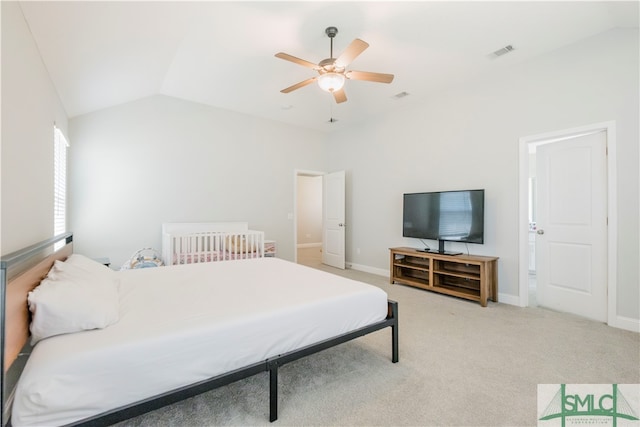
(190, 243)
(167, 345)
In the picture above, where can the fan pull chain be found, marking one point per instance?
(331, 119)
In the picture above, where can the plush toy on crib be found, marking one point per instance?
(144, 258)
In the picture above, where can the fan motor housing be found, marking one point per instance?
(329, 66)
(331, 31)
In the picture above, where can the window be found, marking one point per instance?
(60, 145)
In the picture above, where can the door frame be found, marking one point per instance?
(612, 229)
(296, 174)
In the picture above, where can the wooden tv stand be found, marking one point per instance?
(472, 277)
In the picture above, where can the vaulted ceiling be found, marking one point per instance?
(102, 54)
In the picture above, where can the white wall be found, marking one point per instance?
(161, 159)
(309, 210)
(468, 138)
(30, 107)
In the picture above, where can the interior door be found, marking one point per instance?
(571, 239)
(333, 219)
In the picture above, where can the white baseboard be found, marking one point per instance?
(626, 323)
(367, 269)
(508, 299)
(309, 245)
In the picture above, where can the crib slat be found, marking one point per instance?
(216, 246)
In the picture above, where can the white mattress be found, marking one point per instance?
(183, 324)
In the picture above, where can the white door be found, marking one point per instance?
(333, 219)
(571, 239)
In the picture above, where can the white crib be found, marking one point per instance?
(188, 243)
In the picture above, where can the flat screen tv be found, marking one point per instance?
(454, 216)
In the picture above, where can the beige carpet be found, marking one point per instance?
(460, 364)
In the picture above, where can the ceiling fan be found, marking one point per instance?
(332, 71)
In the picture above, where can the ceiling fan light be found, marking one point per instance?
(331, 82)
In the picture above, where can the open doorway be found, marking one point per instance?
(308, 218)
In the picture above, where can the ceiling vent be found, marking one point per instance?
(400, 95)
(503, 51)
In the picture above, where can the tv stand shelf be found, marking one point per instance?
(471, 277)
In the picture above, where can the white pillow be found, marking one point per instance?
(70, 300)
(89, 265)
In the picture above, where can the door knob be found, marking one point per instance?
(540, 231)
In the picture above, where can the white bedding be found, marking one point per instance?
(183, 324)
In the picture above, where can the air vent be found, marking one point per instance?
(400, 95)
(503, 51)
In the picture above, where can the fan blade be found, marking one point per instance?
(299, 85)
(351, 52)
(371, 77)
(339, 96)
(295, 60)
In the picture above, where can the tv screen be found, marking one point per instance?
(456, 216)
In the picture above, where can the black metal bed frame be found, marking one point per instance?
(155, 402)
(271, 365)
